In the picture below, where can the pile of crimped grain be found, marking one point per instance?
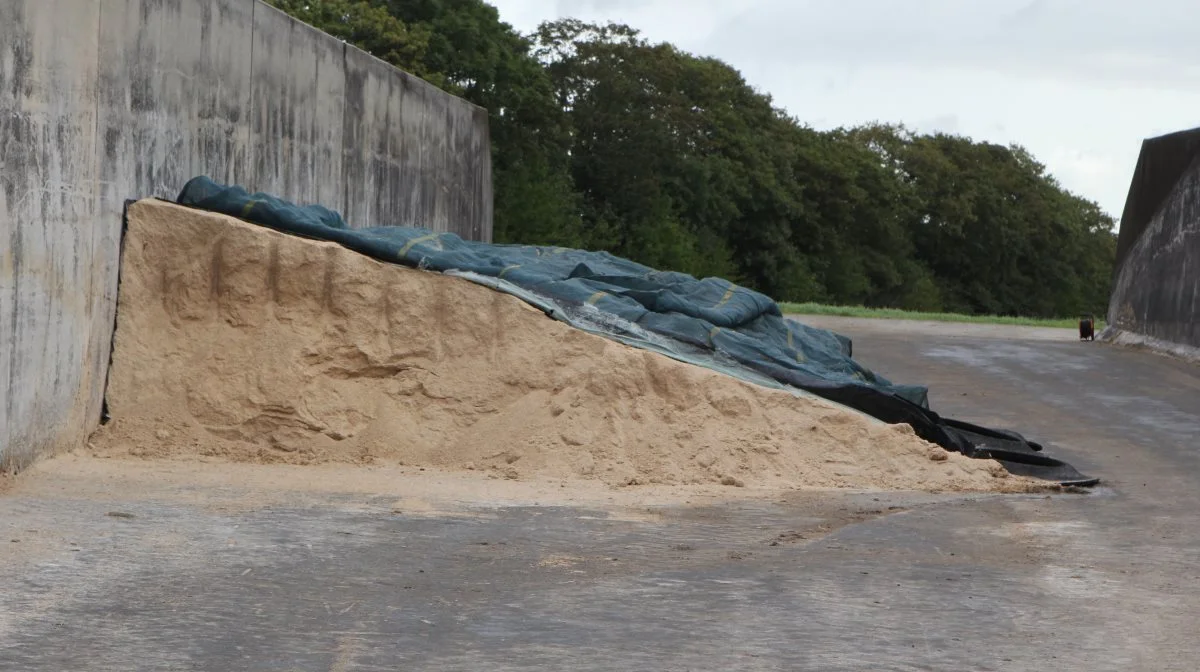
(247, 344)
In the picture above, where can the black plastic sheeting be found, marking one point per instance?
(709, 322)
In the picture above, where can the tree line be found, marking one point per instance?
(603, 139)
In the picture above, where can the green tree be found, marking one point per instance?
(370, 28)
(998, 234)
(666, 147)
(606, 140)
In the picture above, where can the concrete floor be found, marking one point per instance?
(150, 573)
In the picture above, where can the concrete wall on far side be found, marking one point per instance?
(1156, 292)
(106, 101)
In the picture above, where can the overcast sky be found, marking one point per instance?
(1079, 83)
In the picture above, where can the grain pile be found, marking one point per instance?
(242, 343)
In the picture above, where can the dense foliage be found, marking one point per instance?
(602, 139)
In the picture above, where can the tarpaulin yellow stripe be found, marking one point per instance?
(799, 355)
(417, 241)
(507, 269)
(595, 298)
(248, 207)
(728, 295)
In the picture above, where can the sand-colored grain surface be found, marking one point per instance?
(238, 342)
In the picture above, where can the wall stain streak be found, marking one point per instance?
(129, 99)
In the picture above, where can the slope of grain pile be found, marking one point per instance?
(243, 343)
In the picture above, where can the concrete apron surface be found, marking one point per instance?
(144, 572)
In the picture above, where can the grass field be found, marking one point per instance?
(894, 314)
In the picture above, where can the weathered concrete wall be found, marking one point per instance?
(102, 101)
(1157, 281)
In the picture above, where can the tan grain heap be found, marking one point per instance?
(251, 345)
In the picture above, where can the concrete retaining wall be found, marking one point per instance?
(1156, 291)
(103, 101)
